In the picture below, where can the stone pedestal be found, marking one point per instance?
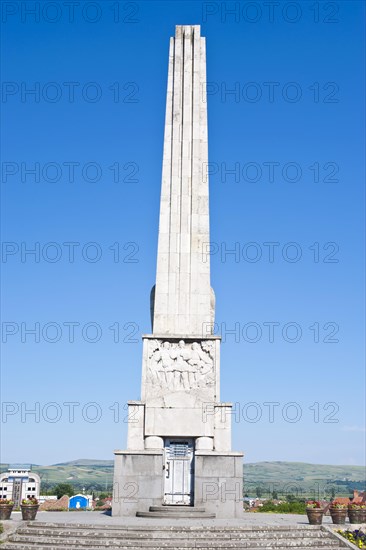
(138, 482)
(180, 401)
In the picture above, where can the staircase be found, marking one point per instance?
(53, 536)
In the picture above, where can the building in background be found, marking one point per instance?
(19, 482)
(80, 502)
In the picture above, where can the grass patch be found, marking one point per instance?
(283, 508)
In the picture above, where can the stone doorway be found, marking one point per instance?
(178, 471)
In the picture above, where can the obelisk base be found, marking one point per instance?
(138, 482)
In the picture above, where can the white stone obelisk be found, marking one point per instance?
(179, 434)
(183, 294)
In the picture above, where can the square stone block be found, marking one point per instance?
(177, 422)
(219, 466)
(219, 484)
(138, 482)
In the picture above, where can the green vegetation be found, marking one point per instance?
(301, 480)
(297, 507)
(64, 489)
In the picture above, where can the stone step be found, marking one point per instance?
(157, 533)
(170, 528)
(176, 508)
(90, 538)
(177, 512)
(46, 546)
(172, 543)
(176, 515)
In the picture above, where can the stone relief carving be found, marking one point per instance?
(181, 365)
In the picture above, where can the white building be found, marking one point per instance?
(19, 482)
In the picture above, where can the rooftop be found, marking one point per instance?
(19, 467)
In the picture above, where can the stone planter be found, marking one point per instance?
(5, 511)
(357, 516)
(338, 515)
(315, 515)
(29, 511)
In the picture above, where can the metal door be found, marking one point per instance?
(179, 472)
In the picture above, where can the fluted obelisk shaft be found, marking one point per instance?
(182, 293)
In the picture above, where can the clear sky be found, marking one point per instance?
(286, 144)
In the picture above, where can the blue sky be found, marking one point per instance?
(286, 113)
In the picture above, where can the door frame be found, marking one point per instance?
(167, 469)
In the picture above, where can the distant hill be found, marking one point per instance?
(296, 478)
(302, 479)
(92, 474)
(87, 462)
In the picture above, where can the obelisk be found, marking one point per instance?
(183, 293)
(179, 455)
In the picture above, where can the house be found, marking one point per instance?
(359, 497)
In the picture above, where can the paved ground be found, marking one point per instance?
(101, 518)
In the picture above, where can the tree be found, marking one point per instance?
(274, 495)
(64, 489)
(258, 491)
